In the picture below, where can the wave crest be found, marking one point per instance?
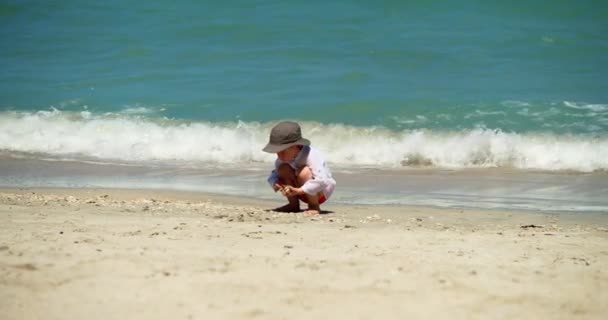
(127, 138)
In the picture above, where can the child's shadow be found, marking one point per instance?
(300, 211)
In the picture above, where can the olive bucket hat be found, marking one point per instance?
(284, 135)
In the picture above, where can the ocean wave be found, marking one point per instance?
(599, 108)
(79, 135)
(139, 110)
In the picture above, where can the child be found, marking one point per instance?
(300, 172)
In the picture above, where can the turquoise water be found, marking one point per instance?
(354, 62)
(503, 105)
(458, 85)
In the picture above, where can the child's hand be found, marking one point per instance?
(284, 189)
(292, 192)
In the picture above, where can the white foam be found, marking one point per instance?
(483, 114)
(141, 110)
(129, 138)
(418, 120)
(585, 106)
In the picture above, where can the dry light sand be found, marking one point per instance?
(116, 254)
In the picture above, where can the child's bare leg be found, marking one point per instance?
(314, 207)
(287, 177)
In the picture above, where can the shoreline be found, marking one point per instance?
(467, 189)
(394, 211)
(149, 254)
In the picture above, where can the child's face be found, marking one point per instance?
(289, 154)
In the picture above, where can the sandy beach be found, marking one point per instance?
(140, 254)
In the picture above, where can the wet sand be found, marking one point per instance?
(141, 254)
(488, 189)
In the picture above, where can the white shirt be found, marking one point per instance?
(321, 181)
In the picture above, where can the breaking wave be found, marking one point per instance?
(132, 138)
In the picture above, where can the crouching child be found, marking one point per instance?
(300, 173)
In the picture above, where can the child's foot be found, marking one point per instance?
(288, 208)
(312, 212)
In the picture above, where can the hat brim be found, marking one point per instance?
(276, 148)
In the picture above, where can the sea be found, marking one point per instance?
(467, 104)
